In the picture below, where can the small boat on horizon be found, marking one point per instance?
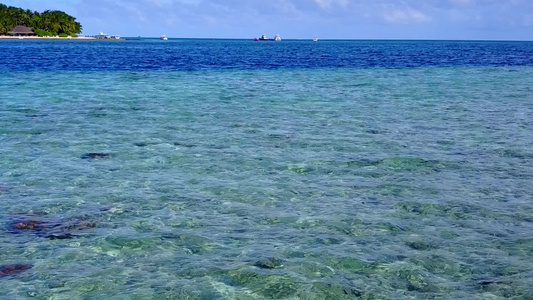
(315, 39)
(164, 38)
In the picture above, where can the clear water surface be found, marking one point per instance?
(241, 170)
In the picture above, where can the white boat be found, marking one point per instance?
(164, 37)
(315, 39)
(277, 38)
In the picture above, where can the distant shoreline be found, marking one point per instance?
(52, 38)
(88, 38)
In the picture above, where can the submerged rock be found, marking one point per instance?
(49, 228)
(301, 169)
(431, 209)
(486, 282)
(6, 270)
(349, 265)
(60, 236)
(269, 263)
(401, 164)
(272, 286)
(186, 145)
(419, 245)
(5, 189)
(407, 163)
(96, 156)
(322, 290)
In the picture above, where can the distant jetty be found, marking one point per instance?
(103, 36)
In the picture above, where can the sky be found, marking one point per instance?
(301, 19)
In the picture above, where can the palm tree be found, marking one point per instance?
(51, 21)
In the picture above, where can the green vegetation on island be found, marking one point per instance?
(47, 23)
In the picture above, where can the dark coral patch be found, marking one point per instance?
(96, 156)
(34, 224)
(54, 229)
(7, 270)
(27, 225)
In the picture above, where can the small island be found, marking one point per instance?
(18, 23)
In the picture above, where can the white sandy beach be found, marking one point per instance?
(7, 37)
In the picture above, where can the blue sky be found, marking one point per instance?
(334, 19)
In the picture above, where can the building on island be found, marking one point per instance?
(21, 31)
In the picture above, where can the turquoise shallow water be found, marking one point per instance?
(256, 184)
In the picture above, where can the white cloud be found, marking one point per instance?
(408, 16)
(327, 4)
(463, 2)
(528, 20)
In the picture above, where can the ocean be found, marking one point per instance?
(233, 169)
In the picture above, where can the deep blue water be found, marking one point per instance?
(230, 169)
(194, 55)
